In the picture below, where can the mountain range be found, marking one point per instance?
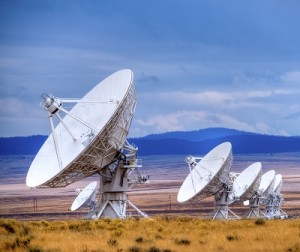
(178, 142)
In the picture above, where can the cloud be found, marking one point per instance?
(16, 126)
(16, 108)
(255, 111)
(193, 120)
(291, 78)
(217, 100)
(190, 120)
(292, 116)
(208, 62)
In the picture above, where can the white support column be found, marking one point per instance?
(78, 119)
(55, 141)
(65, 126)
(255, 212)
(138, 210)
(222, 210)
(115, 184)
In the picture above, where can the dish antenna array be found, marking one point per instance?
(91, 139)
(274, 201)
(211, 176)
(259, 196)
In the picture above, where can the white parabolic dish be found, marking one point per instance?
(247, 183)
(108, 108)
(208, 175)
(278, 184)
(84, 196)
(267, 183)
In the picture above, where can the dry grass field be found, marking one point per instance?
(150, 235)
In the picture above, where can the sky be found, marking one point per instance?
(197, 63)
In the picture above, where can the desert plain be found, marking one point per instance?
(156, 198)
(41, 220)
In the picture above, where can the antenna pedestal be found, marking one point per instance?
(269, 212)
(116, 180)
(222, 210)
(92, 210)
(114, 205)
(254, 208)
(273, 207)
(278, 212)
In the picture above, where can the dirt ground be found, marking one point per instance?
(159, 197)
(156, 198)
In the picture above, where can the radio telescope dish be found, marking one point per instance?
(208, 175)
(247, 183)
(278, 184)
(89, 139)
(266, 187)
(89, 136)
(267, 183)
(86, 197)
(272, 200)
(275, 201)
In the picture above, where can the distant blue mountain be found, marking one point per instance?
(241, 144)
(203, 140)
(180, 142)
(198, 135)
(21, 145)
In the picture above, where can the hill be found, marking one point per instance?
(180, 142)
(203, 140)
(21, 145)
(242, 144)
(198, 135)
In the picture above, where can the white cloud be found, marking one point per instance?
(220, 101)
(259, 111)
(16, 108)
(291, 78)
(24, 126)
(190, 120)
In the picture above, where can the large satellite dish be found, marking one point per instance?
(274, 201)
(247, 183)
(89, 139)
(209, 175)
(90, 135)
(267, 183)
(264, 190)
(86, 197)
(277, 184)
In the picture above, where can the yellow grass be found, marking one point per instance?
(153, 235)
